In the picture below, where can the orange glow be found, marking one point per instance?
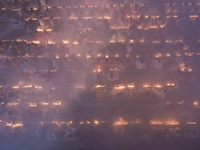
(120, 87)
(57, 103)
(172, 122)
(153, 122)
(158, 85)
(120, 122)
(146, 86)
(32, 104)
(192, 123)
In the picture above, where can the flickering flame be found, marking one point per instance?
(15, 87)
(170, 84)
(51, 42)
(98, 55)
(107, 56)
(168, 55)
(36, 42)
(9, 124)
(159, 55)
(96, 122)
(38, 87)
(172, 122)
(168, 41)
(80, 86)
(45, 103)
(120, 87)
(181, 102)
(178, 55)
(88, 56)
(158, 85)
(191, 122)
(57, 103)
(153, 122)
(120, 122)
(195, 103)
(131, 86)
(57, 56)
(75, 43)
(146, 86)
(12, 104)
(189, 69)
(99, 86)
(65, 42)
(18, 124)
(116, 55)
(28, 86)
(132, 41)
(32, 104)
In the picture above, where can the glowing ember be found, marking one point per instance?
(146, 86)
(9, 124)
(32, 105)
(116, 55)
(80, 86)
(181, 102)
(178, 55)
(57, 103)
(75, 43)
(65, 42)
(168, 55)
(168, 41)
(51, 42)
(196, 103)
(159, 55)
(156, 42)
(96, 122)
(15, 87)
(36, 42)
(119, 87)
(132, 41)
(27, 86)
(152, 122)
(88, 56)
(99, 86)
(16, 125)
(120, 122)
(189, 69)
(158, 85)
(12, 104)
(38, 87)
(99, 55)
(57, 56)
(191, 123)
(131, 86)
(173, 122)
(170, 84)
(45, 103)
